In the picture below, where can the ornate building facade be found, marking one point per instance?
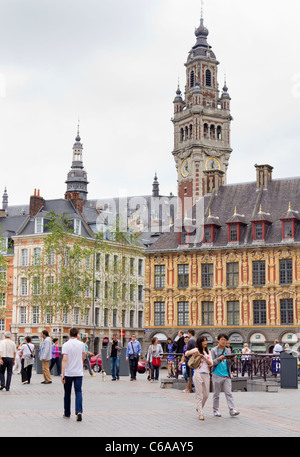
(231, 261)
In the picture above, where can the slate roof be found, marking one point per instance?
(251, 204)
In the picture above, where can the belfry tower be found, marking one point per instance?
(77, 176)
(201, 124)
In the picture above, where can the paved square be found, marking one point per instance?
(141, 409)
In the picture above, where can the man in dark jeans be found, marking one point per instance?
(7, 359)
(133, 352)
(114, 352)
(191, 345)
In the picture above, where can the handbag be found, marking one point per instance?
(133, 356)
(31, 354)
(156, 361)
(194, 361)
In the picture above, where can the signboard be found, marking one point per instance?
(122, 333)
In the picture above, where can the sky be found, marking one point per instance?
(115, 64)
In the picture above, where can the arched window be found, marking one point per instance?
(206, 134)
(192, 79)
(181, 134)
(191, 131)
(186, 133)
(219, 132)
(212, 132)
(208, 78)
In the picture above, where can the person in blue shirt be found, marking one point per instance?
(133, 353)
(222, 359)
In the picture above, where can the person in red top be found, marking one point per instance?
(55, 356)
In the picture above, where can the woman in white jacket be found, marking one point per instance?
(154, 355)
(201, 374)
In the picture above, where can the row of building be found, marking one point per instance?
(217, 257)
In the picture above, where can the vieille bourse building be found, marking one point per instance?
(238, 271)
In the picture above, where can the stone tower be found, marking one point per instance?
(77, 176)
(201, 124)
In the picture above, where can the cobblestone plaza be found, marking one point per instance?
(142, 409)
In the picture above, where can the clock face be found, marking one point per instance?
(185, 168)
(212, 164)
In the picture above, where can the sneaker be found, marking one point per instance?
(79, 417)
(25, 382)
(217, 414)
(234, 412)
(114, 379)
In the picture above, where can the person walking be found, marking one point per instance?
(154, 355)
(189, 371)
(246, 360)
(113, 353)
(201, 374)
(8, 352)
(133, 353)
(27, 359)
(73, 352)
(89, 354)
(45, 355)
(222, 360)
(55, 360)
(171, 358)
(18, 366)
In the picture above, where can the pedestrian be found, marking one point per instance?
(201, 374)
(17, 366)
(246, 365)
(171, 358)
(8, 352)
(27, 359)
(179, 343)
(114, 353)
(154, 356)
(182, 361)
(89, 354)
(222, 360)
(73, 352)
(277, 347)
(133, 353)
(190, 345)
(55, 356)
(45, 355)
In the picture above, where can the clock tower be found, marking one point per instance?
(201, 125)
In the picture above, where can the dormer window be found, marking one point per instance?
(77, 226)
(208, 234)
(183, 236)
(39, 225)
(233, 233)
(288, 229)
(259, 230)
(289, 224)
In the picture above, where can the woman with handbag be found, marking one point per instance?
(154, 355)
(27, 359)
(201, 361)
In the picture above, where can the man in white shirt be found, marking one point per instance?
(73, 352)
(7, 360)
(277, 347)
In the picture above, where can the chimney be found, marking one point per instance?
(36, 203)
(212, 180)
(75, 199)
(263, 175)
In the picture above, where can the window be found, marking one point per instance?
(124, 290)
(159, 313)
(233, 233)
(22, 314)
(24, 257)
(208, 78)
(37, 256)
(207, 275)
(131, 319)
(49, 285)
(259, 273)
(2, 299)
(232, 274)
(105, 317)
(97, 317)
(114, 317)
(288, 229)
(51, 257)
(183, 313)
(192, 79)
(98, 261)
(35, 315)
(259, 231)
(97, 289)
(206, 131)
(140, 318)
(140, 267)
(207, 238)
(159, 276)
(183, 276)
(76, 316)
(233, 313)
(105, 290)
(140, 293)
(183, 236)
(77, 226)
(219, 133)
(208, 313)
(24, 287)
(286, 271)
(115, 264)
(259, 312)
(106, 262)
(286, 311)
(123, 317)
(131, 293)
(65, 316)
(131, 266)
(2, 325)
(39, 225)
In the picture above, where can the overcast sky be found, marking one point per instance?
(115, 65)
